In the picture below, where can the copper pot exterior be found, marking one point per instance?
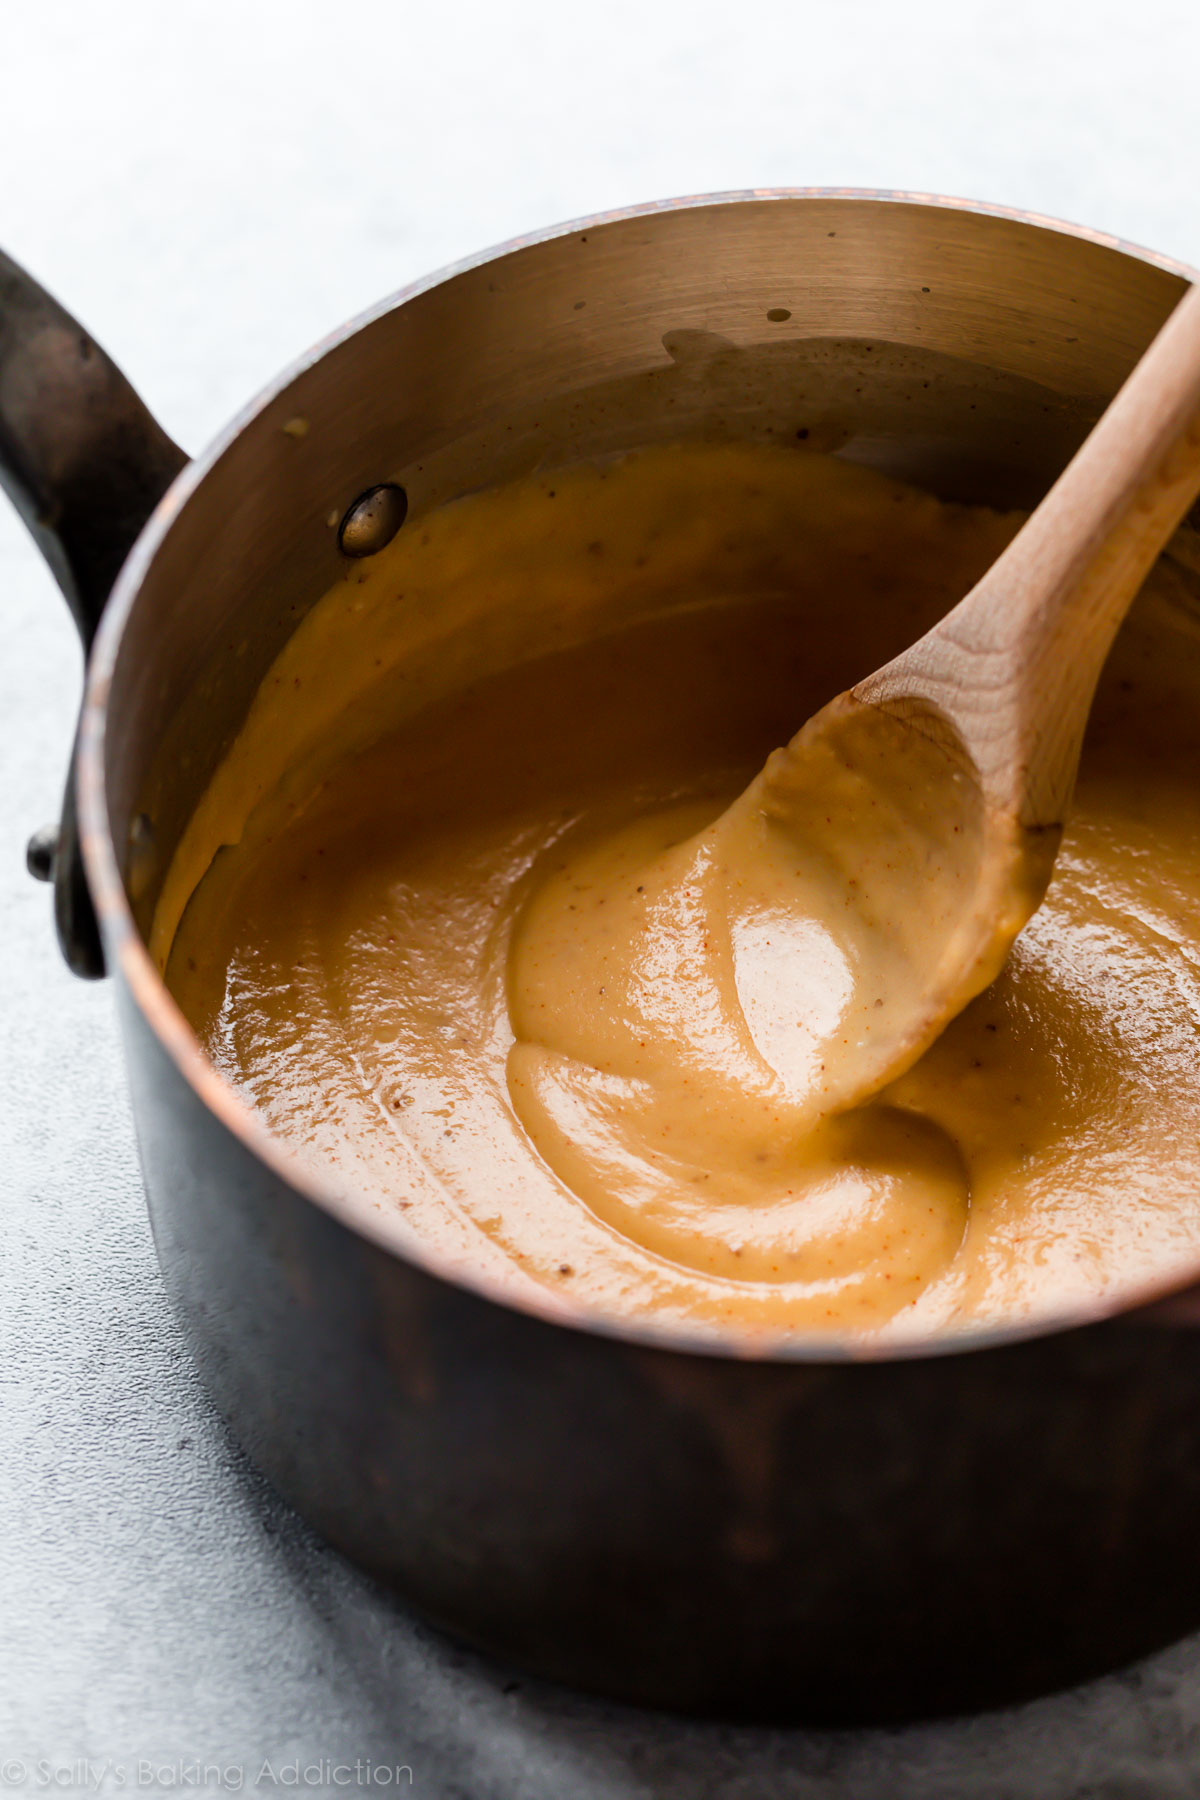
(797, 1534)
(830, 1541)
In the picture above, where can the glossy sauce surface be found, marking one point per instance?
(456, 917)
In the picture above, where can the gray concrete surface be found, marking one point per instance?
(211, 186)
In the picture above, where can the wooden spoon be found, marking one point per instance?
(923, 809)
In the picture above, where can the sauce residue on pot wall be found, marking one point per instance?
(442, 918)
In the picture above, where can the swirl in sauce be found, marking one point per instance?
(464, 914)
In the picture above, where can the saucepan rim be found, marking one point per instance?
(348, 1208)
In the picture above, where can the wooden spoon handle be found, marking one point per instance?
(1015, 664)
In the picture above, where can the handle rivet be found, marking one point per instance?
(41, 853)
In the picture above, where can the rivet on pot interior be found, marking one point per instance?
(143, 856)
(373, 520)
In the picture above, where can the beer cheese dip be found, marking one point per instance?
(466, 916)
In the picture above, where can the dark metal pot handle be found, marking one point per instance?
(85, 465)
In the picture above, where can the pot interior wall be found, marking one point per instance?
(967, 352)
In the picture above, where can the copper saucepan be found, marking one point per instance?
(805, 1530)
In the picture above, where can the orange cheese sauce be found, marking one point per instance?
(420, 918)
